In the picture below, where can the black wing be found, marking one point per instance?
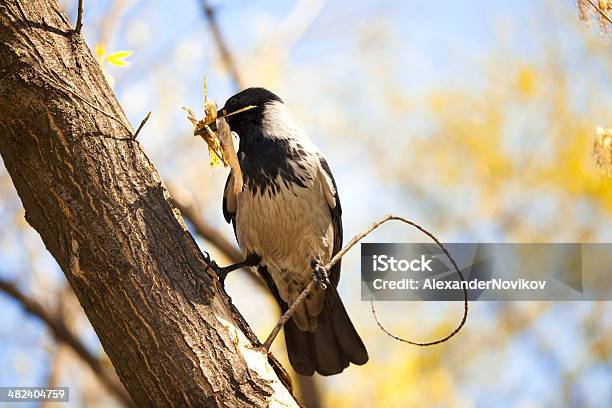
(229, 203)
(336, 214)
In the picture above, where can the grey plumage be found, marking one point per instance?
(288, 214)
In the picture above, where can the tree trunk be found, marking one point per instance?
(103, 212)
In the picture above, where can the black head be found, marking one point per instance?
(241, 122)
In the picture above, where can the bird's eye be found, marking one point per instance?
(232, 102)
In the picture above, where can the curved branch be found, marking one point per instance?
(287, 315)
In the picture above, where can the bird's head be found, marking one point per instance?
(250, 120)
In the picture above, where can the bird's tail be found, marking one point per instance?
(331, 347)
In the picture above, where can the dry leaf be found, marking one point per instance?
(224, 134)
(203, 130)
(220, 144)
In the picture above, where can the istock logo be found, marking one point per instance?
(384, 263)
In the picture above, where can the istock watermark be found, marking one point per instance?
(420, 271)
(383, 263)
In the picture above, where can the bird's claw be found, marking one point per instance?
(320, 275)
(213, 265)
(210, 262)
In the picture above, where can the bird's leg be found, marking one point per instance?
(250, 260)
(319, 274)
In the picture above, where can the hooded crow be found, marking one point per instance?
(288, 223)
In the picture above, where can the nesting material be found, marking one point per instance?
(224, 135)
(220, 144)
(202, 129)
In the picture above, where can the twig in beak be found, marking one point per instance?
(246, 108)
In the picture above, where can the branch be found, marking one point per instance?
(287, 315)
(55, 371)
(141, 125)
(79, 22)
(60, 331)
(226, 55)
(294, 26)
(66, 309)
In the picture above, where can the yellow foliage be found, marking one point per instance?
(407, 377)
(470, 139)
(575, 172)
(117, 58)
(526, 81)
(471, 146)
(100, 50)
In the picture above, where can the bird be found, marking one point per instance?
(287, 219)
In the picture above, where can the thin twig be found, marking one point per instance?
(226, 55)
(287, 315)
(77, 95)
(603, 13)
(141, 125)
(246, 108)
(79, 22)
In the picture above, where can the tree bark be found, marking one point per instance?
(103, 212)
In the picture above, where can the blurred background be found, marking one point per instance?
(475, 119)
